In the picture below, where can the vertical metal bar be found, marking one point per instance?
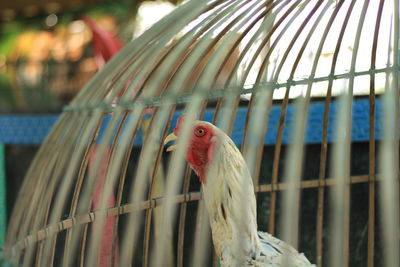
(149, 212)
(340, 192)
(200, 221)
(340, 197)
(292, 176)
(389, 157)
(182, 221)
(323, 158)
(372, 150)
(321, 179)
(390, 186)
(81, 252)
(202, 235)
(157, 179)
(120, 187)
(372, 178)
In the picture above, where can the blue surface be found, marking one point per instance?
(25, 129)
(32, 129)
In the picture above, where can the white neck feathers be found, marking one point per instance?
(230, 201)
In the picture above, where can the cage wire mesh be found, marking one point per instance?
(103, 173)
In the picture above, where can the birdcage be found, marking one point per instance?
(308, 90)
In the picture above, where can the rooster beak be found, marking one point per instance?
(169, 138)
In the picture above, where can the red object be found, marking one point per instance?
(105, 44)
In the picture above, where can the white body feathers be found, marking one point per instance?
(231, 204)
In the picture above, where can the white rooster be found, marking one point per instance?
(230, 201)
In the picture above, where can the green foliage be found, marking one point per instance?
(9, 33)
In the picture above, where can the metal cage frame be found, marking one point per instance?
(200, 56)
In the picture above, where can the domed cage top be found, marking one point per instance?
(102, 190)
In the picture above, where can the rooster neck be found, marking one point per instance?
(230, 201)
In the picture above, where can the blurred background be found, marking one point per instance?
(49, 49)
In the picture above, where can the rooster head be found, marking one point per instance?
(200, 147)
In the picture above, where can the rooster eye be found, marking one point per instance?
(200, 132)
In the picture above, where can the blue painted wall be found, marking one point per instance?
(32, 129)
